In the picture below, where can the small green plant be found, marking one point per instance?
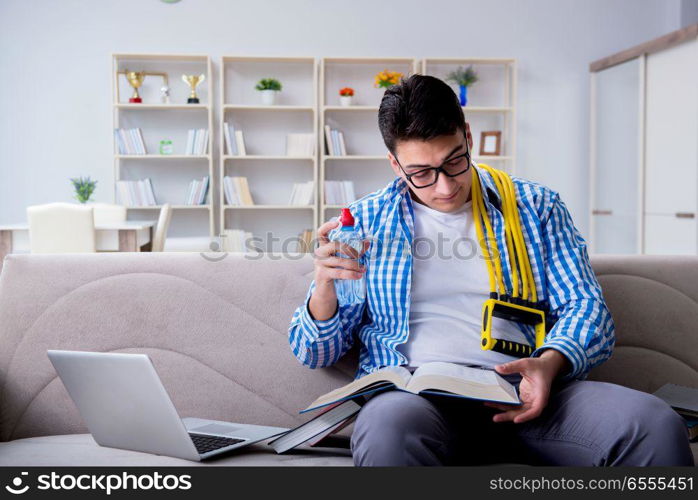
(462, 76)
(84, 187)
(268, 84)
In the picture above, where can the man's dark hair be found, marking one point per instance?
(420, 107)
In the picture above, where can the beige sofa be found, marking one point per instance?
(216, 331)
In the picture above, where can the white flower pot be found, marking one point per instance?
(268, 97)
(345, 100)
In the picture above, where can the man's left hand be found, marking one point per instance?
(537, 377)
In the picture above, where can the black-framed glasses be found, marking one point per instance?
(452, 167)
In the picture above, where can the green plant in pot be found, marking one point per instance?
(463, 77)
(84, 187)
(268, 87)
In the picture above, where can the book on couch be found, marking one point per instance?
(332, 419)
(446, 379)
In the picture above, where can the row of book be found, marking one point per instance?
(198, 189)
(300, 144)
(129, 141)
(135, 193)
(234, 140)
(335, 142)
(197, 142)
(305, 241)
(302, 193)
(140, 193)
(339, 192)
(236, 240)
(237, 191)
(297, 145)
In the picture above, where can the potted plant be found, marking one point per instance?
(346, 95)
(268, 87)
(463, 77)
(386, 78)
(84, 187)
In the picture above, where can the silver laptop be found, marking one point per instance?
(125, 405)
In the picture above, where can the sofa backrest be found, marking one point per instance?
(217, 331)
(654, 303)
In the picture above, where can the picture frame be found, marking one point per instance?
(491, 143)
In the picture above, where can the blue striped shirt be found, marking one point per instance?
(566, 286)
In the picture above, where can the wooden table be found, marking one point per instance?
(127, 236)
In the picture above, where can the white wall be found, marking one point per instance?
(55, 90)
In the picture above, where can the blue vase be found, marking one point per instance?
(463, 95)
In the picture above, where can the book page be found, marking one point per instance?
(471, 374)
(396, 375)
(464, 381)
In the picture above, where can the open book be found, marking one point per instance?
(447, 379)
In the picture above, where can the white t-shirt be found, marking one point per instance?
(449, 285)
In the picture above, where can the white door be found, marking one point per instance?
(671, 188)
(668, 234)
(616, 136)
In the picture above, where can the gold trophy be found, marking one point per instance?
(135, 78)
(193, 81)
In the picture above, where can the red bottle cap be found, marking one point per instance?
(346, 218)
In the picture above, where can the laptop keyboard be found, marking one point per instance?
(205, 443)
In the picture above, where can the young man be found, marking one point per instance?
(426, 283)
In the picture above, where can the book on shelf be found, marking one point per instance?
(339, 192)
(302, 193)
(300, 144)
(240, 143)
(198, 189)
(230, 139)
(436, 378)
(237, 191)
(130, 141)
(305, 241)
(197, 142)
(236, 240)
(137, 193)
(335, 142)
(318, 428)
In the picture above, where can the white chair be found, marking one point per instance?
(61, 228)
(108, 213)
(161, 229)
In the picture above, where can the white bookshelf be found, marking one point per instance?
(169, 174)
(269, 171)
(366, 163)
(491, 102)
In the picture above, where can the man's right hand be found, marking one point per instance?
(329, 267)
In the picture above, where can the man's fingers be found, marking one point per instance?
(518, 415)
(332, 247)
(506, 416)
(530, 414)
(324, 230)
(500, 406)
(350, 264)
(337, 273)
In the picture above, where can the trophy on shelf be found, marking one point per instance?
(193, 81)
(135, 79)
(165, 94)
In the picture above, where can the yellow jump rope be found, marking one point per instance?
(519, 304)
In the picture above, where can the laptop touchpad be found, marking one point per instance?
(216, 429)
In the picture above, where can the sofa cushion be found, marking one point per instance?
(82, 450)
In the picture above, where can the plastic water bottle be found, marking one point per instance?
(349, 291)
